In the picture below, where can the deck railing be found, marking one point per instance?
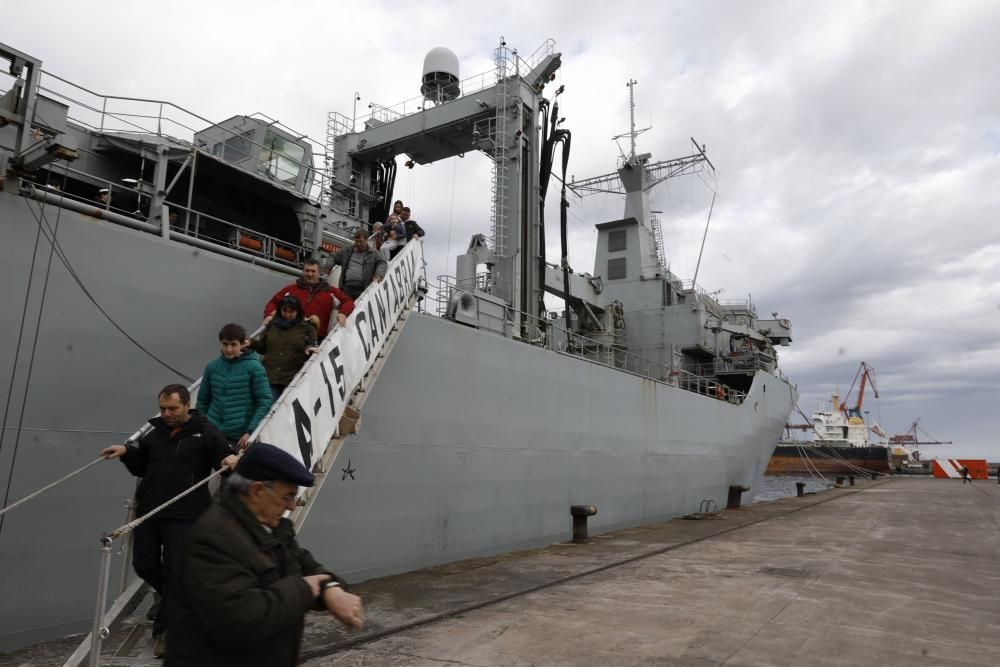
(548, 334)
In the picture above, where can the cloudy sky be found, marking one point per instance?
(857, 147)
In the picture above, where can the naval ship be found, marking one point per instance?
(642, 396)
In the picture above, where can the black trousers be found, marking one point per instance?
(354, 291)
(156, 546)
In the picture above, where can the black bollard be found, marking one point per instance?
(580, 514)
(800, 489)
(850, 479)
(840, 480)
(874, 476)
(735, 491)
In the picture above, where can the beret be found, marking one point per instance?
(263, 462)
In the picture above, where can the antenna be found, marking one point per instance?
(632, 133)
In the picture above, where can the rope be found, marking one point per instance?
(132, 525)
(40, 220)
(34, 349)
(49, 486)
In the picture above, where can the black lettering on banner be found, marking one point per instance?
(395, 292)
(338, 371)
(380, 305)
(373, 323)
(359, 318)
(399, 286)
(303, 431)
(329, 390)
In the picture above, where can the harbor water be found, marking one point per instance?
(774, 487)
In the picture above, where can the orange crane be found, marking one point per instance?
(865, 372)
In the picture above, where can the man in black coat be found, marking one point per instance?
(180, 450)
(244, 584)
(411, 226)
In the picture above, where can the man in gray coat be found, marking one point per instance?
(360, 265)
(244, 583)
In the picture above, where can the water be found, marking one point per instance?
(782, 486)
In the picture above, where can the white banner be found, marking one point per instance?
(306, 416)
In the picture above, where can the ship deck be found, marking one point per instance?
(892, 572)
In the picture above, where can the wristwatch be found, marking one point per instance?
(329, 584)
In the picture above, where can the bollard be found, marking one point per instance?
(735, 491)
(850, 479)
(800, 489)
(840, 480)
(874, 476)
(580, 514)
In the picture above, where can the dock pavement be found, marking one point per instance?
(898, 572)
(901, 571)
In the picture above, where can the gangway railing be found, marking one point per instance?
(306, 419)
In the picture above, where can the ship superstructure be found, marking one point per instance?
(644, 398)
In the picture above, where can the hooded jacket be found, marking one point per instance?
(171, 462)
(239, 598)
(235, 394)
(284, 349)
(319, 300)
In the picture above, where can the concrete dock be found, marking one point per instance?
(896, 572)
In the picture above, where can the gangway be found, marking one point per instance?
(319, 410)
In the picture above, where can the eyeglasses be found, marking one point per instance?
(288, 497)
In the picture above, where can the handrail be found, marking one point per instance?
(316, 178)
(99, 631)
(605, 353)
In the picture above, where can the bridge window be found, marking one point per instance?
(237, 148)
(616, 268)
(281, 159)
(616, 240)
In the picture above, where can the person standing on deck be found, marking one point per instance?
(965, 474)
(180, 450)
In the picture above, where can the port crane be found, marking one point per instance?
(911, 440)
(866, 373)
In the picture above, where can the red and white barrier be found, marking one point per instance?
(952, 468)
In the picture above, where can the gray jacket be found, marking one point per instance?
(373, 264)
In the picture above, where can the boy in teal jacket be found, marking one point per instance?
(234, 393)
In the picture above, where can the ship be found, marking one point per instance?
(841, 443)
(642, 396)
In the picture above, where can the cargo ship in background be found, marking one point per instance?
(840, 442)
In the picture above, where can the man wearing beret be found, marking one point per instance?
(244, 584)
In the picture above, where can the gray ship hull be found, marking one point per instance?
(90, 387)
(472, 444)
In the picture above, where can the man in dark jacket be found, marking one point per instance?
(317, 297)
(411, 226)
(244, 584)
(180, 450)
(360, 265)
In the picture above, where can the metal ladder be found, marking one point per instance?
(500, 139)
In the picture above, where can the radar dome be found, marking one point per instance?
(440, 81)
